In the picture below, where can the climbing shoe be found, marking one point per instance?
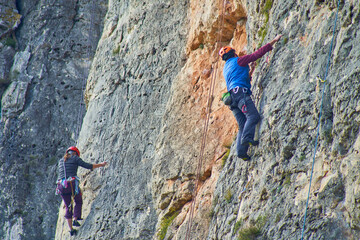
(73, 232)
(76, 223)
(245, 157)
(251, 143)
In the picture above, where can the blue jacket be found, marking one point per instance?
(236, 69)
(235, 75)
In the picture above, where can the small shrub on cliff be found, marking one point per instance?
(165, 223)
(211, 213)
(266, 10)
(253, 231)
(262, 34)
(224, 158)
(116, 50)
(249, 233)
(264, 29)
(10, 42)
(285, 40)
(228, 196)
(328, 136)
(237, 226)
(286, 179)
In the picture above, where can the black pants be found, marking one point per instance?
(247, 116)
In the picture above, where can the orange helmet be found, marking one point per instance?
(225, 50)
(75, 149)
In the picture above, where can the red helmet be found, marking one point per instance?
(75, 149)
(225, 50)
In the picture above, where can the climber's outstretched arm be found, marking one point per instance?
(243, 61)
(99, 165)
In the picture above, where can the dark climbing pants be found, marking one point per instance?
(247, 116)
(66, 194)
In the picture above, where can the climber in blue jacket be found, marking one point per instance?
(238, 82)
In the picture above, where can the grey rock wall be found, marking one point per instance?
(46, 60)
(140, 76)
(9, 20)
(289, 96)
(138, 57)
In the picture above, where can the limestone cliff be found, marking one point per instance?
(148, 66)
(289, 94)
(46, 50)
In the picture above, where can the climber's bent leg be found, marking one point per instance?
(78, 205)
(252, 118)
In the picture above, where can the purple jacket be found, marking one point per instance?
(71, 166)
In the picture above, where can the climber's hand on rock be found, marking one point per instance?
(253, 65)
(277, 38)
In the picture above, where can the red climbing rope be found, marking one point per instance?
(205, 130)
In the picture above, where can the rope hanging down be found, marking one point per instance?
(205, 130)
(318, 127)
(83, 83)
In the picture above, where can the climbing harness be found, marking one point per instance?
(205, 130)
(318, 127)
(244, 108)
(243, 100)
(64, 182)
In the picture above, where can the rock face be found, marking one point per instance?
(9, 21)
(289, 98)
(46, 61)
(146, 99)
(140, 54)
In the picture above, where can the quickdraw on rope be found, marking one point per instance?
(320, 79)
(83, 83)
(205, 130)
(318, 127)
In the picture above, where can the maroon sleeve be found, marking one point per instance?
(245, 60)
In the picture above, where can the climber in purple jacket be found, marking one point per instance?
(238, 82)
(68, 185)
